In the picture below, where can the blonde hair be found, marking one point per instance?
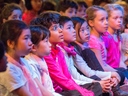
(91, 12)
(113, 7)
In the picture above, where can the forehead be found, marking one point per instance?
(70, 8)
(101, 13)
(82, 7)
(116, 13)
(69, 23)
(25, 32)
(84, 24)
(17, 12)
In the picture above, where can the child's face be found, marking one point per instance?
(36, 5)
(100, 23)
(56, 34)
(3, 64)
(69, 32)
(16, 15)
(43, 48)
(81, 12)
(24, 44)
(70, 12)
(116, 19)
(84, 33)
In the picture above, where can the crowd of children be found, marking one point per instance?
(76, 51)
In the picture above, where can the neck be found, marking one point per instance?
(66, 44)
(111, 31)
(34, 53)
(14, 56)
(34, 12)
(94, 32)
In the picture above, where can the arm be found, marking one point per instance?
(61, 76)
(22, 91)
(106, 67)
(43, 90)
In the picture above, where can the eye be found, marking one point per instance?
(69, 28)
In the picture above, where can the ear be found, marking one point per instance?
(61, 13)
(90, 22)
(11, 44)
(34, 48)
(127, 25)
(4, 20)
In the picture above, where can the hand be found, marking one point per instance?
(115, 75)
(114, 82)
(105, 84)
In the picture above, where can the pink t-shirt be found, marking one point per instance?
(28, 16)
(95, 43)
(113, 52)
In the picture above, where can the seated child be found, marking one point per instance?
(41, 47)
(68, 8)
(33, 9)
(57, 67)
(19, 79)
(10, 12)
(82, 6)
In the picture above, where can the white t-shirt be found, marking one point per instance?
(13, 78)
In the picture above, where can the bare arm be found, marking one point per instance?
(22, 91)
(106, 67)
(43, 90)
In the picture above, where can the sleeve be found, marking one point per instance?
(94, 43)
(82, 65)
(29, 67)
(13, 78)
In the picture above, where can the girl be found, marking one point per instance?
(41, 47)
(33, 8)
(69, 36)
(112, 38)
(10, 12)
(19, 79)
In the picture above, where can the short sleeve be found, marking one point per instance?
(12, 78)
(94, 43)
(29, 67)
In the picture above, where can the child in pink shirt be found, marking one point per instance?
(113, 37)
(57, 67)
(33, 8)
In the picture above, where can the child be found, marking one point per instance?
(19, 79)
(68, 8)
(3, 59)
(82, 6)
(97, 20)
(41, 47)
(57, 67)
(112, 38)
(33, 8)
(10, 12)
(48, 6)
(69, 36)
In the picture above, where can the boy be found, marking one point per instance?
(68, 8)
(57, 67)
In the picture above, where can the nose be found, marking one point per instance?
(74, 14)
(49, 44)
(119, 20)
(106, 22)
(30, 42)
(60, 30)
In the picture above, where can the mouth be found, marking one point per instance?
(61, 36)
